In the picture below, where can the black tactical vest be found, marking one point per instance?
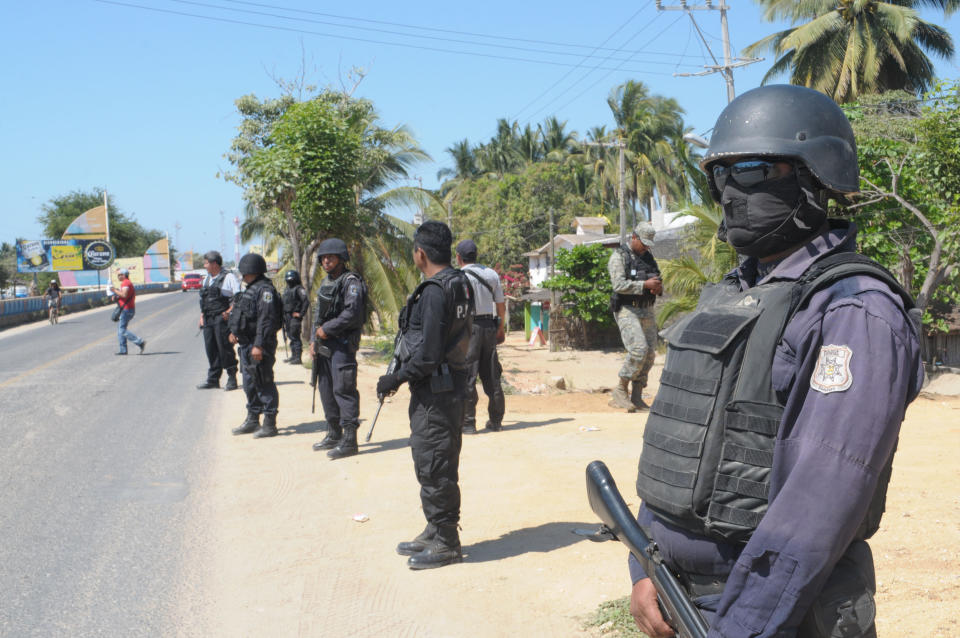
(636, 268)
(330, 295)
(212, 301)
(291, 300)
(708, 443)
(243, 319)
(460, 309)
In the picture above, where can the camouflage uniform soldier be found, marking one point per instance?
(635, 278)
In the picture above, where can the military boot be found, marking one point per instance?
(269, 427)
(636, 397)
(444, 549)
(620, 398)
(347, 445)
(231, 380)
(250, 425)
(330, 441)
(418, 544)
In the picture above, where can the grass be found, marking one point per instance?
(613, 619)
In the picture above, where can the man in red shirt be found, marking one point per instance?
(126, 298)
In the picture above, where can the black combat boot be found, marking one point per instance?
(417, 545)
(330, 441)
(636, 397)
(248, 426)
(348, 444)
(231, 380)
(444, 549)
(269, 427)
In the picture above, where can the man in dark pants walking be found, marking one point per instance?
(296, 306)
(253, 324)
(488, 331)
(435, 337)
(340, 313)
(216, 295)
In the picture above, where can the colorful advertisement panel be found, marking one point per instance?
(59, 255)
(156, 263)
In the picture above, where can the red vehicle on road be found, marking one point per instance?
(191, 281)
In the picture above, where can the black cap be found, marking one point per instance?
(467, 249)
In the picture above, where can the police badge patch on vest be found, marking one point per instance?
(267, 296)
(832, 372)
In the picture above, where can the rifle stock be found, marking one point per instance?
(392, 367)
(608, 504)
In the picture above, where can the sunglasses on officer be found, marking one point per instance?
(750, 172)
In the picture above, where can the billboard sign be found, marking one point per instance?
(59, 255)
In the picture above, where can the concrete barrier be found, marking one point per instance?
(14, 312)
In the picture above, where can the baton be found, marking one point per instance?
(370, 431)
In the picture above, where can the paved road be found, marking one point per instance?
(103, 465)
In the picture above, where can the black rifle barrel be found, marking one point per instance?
(607, 503)
(375, 416)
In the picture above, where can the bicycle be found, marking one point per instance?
(54, 311)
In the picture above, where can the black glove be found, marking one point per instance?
(387, 385)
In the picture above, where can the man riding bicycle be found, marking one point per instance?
(53, 297)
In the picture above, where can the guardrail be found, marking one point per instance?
(25, 309)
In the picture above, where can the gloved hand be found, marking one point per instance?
(387, 385)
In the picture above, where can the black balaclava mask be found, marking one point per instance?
(769, 218)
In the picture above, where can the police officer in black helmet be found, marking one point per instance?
(339, 317)
(216, 296)
(296, 306)
(435, 326)
(254, 323)
(770, 443)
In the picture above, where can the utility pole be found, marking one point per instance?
(729, 63)
(553, 293)
(222, 245)
(621, 187)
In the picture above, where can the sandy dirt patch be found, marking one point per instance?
(292, 561)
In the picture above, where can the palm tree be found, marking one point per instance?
(848, 48)
(704, 259)
(557, 142)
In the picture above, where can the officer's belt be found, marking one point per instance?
(484, 318)
(639, 302)
(698, 585)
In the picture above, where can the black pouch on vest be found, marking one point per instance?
(323, 351)
(441, 380)
(845, 607)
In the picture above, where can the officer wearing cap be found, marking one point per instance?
(432, 349)
(487, 332)
(216, 297)
(339, 319)
(770, 443)
(296, 306)
(254, 323)
(635, 278)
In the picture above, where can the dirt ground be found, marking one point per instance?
(290, 557)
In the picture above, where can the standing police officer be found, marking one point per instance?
(487, 332)
(296, 306)
(435, 337)
(635, 278)
(216, 295)
(340, 313)
(254, 323)
(769, 446)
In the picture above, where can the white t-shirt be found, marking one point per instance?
(485, 301)
(230, 285)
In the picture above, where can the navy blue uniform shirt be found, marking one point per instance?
(831, 447)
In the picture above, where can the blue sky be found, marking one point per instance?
(137, 95)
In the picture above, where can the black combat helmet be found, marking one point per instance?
(292, 277)
(252, 264)
(786, 121)
(333, 246)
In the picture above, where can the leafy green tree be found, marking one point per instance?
(128, 237)
(584, 283)
(910, 173)
(849, 48)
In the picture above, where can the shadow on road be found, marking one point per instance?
(542, 538)
(150, 353)
(290, 382)
(310, 427)
(523, 425)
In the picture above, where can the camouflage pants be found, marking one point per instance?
(638, 329)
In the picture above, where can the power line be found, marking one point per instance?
(358, 39)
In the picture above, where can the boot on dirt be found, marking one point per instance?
(347, 445)
(330, 441)
(444, 549)
(418, 544)
(636, 398)
(231, 380)
(269, 427)
(620, 397)
(249, 426)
